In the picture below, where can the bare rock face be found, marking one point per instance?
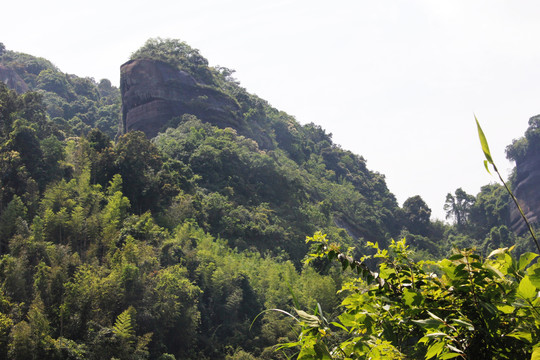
(527, 191)
(12, 80)
(154, 92)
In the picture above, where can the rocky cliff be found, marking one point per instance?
(12, 79)
(527, 191)
(154, 93)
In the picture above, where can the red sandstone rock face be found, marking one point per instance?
(527, 191)
(12, 80)
(154, 92)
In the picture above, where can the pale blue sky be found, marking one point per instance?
(394, 81)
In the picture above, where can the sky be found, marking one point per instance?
(396, 81)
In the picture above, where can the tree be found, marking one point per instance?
(178, 54)
(30, 339)
(56, 82)
(24, 139)
(459, 206)
(14, 212)
(526, 145)
(417, 215)
(138, 162)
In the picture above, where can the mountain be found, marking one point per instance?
(169, 240)
(170, 76)
(164, 219)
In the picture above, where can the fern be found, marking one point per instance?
(123, 327)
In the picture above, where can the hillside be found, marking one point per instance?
(156, 221)
(199, 228)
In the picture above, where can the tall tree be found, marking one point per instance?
(458, 206)
(417, 214)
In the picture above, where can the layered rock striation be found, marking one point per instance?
(527, 191)
(154, 93)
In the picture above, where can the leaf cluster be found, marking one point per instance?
(462, 307)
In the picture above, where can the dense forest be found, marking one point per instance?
(117, 246)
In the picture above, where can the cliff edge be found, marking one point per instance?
(527, 191)
(526, 182)
(154, 93)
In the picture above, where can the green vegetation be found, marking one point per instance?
(528, 144)
(75, 104)
(176, 247)
(461, 307)
(465, 307)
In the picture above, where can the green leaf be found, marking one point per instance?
(464, 323)
(536, 353)
(483, 142)
(449, 355)
(525, 259)
(489, 307)
(322, 351)
(435, 349)
(428, 323)
(534, 274)
(435, 317)
(347, 319)
(339, 326)
(497, 252)
(521, 335)
(506, 309)
(526, 289)
(412, 298)
(385, 272)
(436, 334)
(487, 167)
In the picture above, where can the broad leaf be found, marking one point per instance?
(526, 289)
(506, 309)
(412, 298)
(536, 353)
(526, 259)
(521, 335)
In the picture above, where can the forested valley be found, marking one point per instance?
(114, 245)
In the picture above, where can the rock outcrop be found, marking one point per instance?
(154, 93)
(13, 81)
(527, 191)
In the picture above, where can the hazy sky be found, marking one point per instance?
(394, 81)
